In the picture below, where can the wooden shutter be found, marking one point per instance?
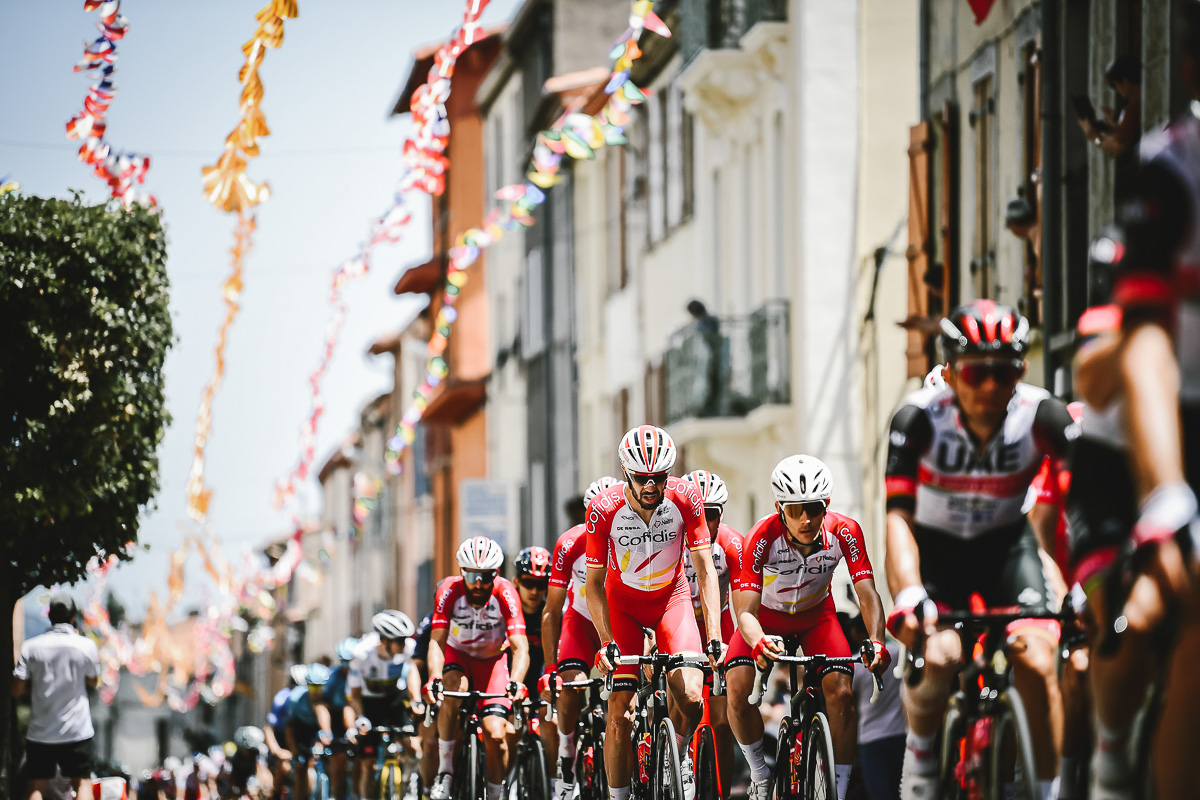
(918, 246)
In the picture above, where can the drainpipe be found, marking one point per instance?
(1051, 188)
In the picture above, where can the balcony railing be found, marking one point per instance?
(717, 24)
(731, 366)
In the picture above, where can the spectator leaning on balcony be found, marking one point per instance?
(708, 368)
(58, 668)
(1116, 133)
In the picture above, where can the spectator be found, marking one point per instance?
(58, 668)
(881, 730)
(708, 371)
(1116, 133)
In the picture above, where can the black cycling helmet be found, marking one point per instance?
(533, 561)
(984, 327)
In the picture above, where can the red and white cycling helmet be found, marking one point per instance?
(646, 449)
(983, 327)
(713, 491)
(479, 553)
(801, 479)
(607, 482)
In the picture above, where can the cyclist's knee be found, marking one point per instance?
(455, 681)
(838, 692)
(620, 712)
(1035, 656)
(495, 728)
(943, 652)
(718, 715)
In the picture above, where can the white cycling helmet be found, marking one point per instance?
(801, 479)
(712, 489)
(607, 482)
(646, 449)
(479, 553)
(391, 625)
(934, 379)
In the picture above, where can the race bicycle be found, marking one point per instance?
(804, 765)
(470, 776)
(657, 772)
(527, 771)
(392, 758)
(705, 763)
(590, 778)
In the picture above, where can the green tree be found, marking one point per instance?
(84, 332)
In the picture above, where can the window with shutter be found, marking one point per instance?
(917, 351)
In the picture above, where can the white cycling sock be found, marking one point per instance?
(756, 758)
(446, 755)
(841, 773)
(566, 745)
(495, 790)
(919, 756)
(615, 793)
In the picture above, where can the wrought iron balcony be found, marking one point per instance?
(717, 24)
(731, 366)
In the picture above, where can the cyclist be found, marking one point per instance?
(727, 558)
(783, 588)
(308, 717)
(960, 461)
(381, 686)
(279, 758)
(474, 616)
(532, 568)
(341, 714)
(569, 639)
(251, 750)
(637, 537)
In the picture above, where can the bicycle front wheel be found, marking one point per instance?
(820, 782)
(953, 730)
(532, 782)
(1011, 758)
(667, 777)
(707, 785)
(788, 764)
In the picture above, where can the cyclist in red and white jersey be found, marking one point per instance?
(783, 588)
(638, 535)
(474, 616)
(727, 558)
(960, 462)
(569, 638)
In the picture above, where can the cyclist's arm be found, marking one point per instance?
(324, 718)
(519, 643)
(872, 609)
(1097, 369)
(747, 603)
(1150, 379)
(597, 602)
(19, 685)
(902, 559)
(710, 591)
(356, 700)
(291, 739)
(348, 716)
(437, 658)
(273, 744)
(552, 623)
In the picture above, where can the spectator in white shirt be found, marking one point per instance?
(58, 668)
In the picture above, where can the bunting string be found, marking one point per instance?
(119, 169)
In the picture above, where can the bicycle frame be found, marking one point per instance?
(387, 760)
(589, 737)
(472, 726)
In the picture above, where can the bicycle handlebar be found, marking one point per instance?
(668, 660)
(761, 674)
(431, 709)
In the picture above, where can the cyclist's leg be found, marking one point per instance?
(618, 732)
(455, 678)
(1077, 722)
(1179, 720)
(577, 647)
(718, 717)
(675, 631)
(745, 719)
(429, 753)
(492, 678)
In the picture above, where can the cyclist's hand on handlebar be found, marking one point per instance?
(882, 660)
(766, 651)
(902, 622)
(715, 650)
(326, 737)
(433, 690)
(545, 682)
(517, 691)
(606, 658)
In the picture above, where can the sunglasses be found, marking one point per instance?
(533, 586)
(478, 576)
(712, 513)
(974, 373)
(643, 478)
(812, 509)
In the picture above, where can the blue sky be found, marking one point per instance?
(332, 161)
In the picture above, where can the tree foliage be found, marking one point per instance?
(84, 332)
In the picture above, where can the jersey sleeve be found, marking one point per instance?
(731, 542)
(1045, 484)
(93, 660)
(566, 550)
(510, 607)
(598, 526)
(444, 601)
(909, 437)
(687, 499)
(1153, 222)
(754, 555)
(854, 546)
